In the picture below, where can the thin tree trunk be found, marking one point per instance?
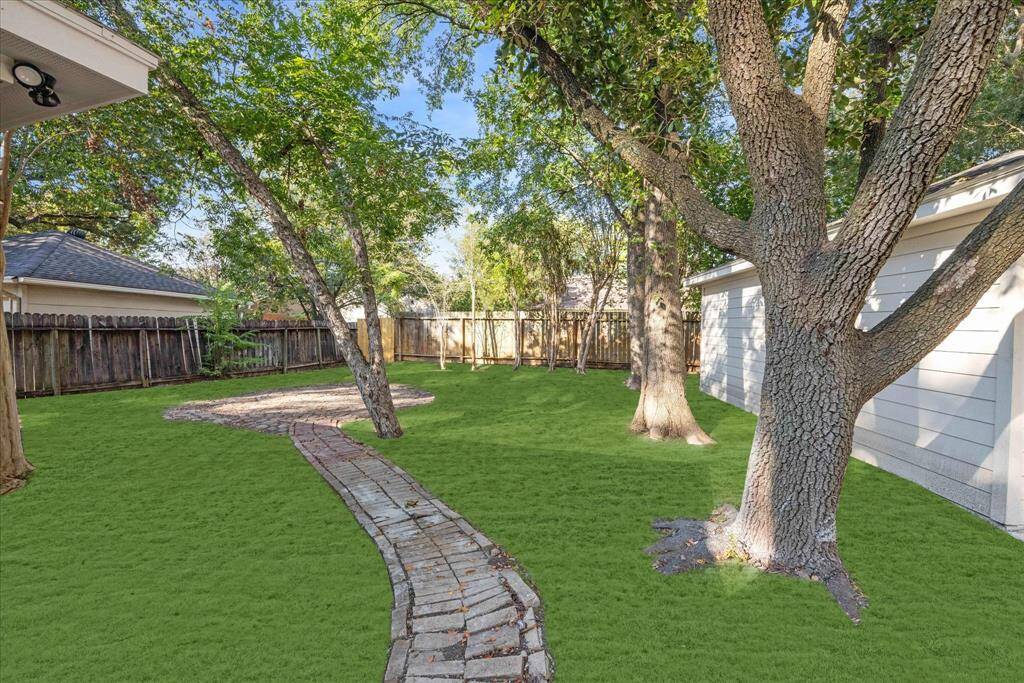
(517, 355)
(472, 320)
(553, 321)
(14, 468)
(598, 299)
(882, 52)
(636, 286)
(662, 411)
(444, 342)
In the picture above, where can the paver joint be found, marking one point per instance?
(461, 609)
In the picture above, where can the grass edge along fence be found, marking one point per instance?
(418, 337)
(56, 353)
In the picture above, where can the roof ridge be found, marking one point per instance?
(51, 245)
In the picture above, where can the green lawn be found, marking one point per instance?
(145, 549)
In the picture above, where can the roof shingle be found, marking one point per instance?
(52, 255)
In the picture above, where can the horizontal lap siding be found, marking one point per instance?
(936, 425)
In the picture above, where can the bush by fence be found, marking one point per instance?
(55, 354)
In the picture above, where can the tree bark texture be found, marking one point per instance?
(14, 467)
(662, 411)
(636, 286)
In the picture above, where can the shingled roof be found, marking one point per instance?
(52, 255)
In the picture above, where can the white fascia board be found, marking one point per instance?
(983, 193)
(79, 39)
(103, 288)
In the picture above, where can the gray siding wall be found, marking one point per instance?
(953, 423)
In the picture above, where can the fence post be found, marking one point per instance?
(284, 352)
(319, 352)
(54, 370)
(398, 338)
(462, 348)
(143, 353)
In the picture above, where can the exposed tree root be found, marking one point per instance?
(693, 544)
(9, 484)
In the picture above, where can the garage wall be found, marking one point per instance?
(68, 300)
(951, 423)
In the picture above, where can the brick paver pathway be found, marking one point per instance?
(461, 610)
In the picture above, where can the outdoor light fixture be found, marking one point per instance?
(38, 83)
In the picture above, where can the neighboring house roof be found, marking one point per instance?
(978, 187)
(578, 290)
(61, 257)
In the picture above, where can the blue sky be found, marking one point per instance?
(457, 118)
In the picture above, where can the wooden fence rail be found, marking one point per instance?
(418, 337)
(55, 354)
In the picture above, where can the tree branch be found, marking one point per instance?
(947, 297)
(196, 113)
(715, 225)
(947, 78)
(779, 134)
(820, 70)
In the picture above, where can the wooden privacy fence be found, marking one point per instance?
(54, 354)
(418, 337)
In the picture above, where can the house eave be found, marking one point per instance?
(102, 288)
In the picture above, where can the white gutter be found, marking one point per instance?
(103, 288)
(982, 193)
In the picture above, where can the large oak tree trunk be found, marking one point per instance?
(662, 411)
(636, 286)
(810, 396)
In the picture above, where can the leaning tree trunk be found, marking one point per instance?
(662, 411)
(636, 285)
(372, 382)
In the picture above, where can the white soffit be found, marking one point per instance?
(983, 191)
(92, 64)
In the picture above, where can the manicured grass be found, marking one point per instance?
(544, 464)
(152, 550)
(146, 549)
